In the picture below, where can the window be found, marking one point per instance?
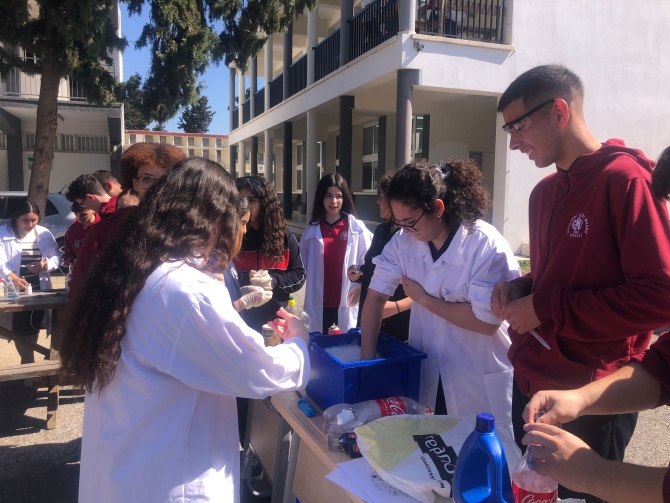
(163, 139)
(246, 157)
(148, 138)
(218, 156)
(417, 136)
(371, 140)
(191, 141)
(319, 156)
(205, 153)
(3, 140)
(298, 155)
(67, 142)
(205, 142)
(91, 143)
(219, 143)
(133, 138)
(370, 173)
(177, 141)
(191, 152)
(30, 141)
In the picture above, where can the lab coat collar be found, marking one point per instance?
(453, 255)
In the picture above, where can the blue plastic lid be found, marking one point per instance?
(486, 423)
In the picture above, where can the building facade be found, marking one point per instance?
(209, 146)
(364, 87)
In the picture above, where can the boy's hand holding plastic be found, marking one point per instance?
(289, 326)
(560, 407)
(254, 296)
(261, 278)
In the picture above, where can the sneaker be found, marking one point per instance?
(256, 470)
(27, 383)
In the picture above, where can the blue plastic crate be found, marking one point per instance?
(398, 373)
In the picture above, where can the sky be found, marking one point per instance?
(215, 78)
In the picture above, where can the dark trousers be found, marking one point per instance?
(329, 317)
(606, 435)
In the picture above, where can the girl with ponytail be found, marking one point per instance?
(447, 260)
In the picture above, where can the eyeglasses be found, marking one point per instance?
(409, 228)
(146, 181)
(521, 124)
(250, 181)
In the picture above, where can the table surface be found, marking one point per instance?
(54, 299)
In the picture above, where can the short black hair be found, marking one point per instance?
(543, 83)
(85, 184)
(105, 176)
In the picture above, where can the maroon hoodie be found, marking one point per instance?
(600, 270)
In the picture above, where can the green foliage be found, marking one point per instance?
(196, 118)
(159, 127)
(134, 115)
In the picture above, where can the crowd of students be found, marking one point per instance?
(177, 267)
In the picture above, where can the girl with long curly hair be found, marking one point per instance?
(270, 255)
(447, 260)
(162, 353)
(333, 241)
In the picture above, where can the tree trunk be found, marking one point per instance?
(45, 129)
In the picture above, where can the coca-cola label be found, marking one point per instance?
(443, 456)
(523, 496)
(391, 406)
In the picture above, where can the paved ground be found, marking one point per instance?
(37, 465)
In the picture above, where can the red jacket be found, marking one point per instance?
(600, 270)
(74, 239)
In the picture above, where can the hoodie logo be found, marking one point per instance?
(579, 225)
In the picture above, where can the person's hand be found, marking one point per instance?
(289, 326)
(521, 315)
(560, 407)
(413, 290)
(503, 294)
(352, 274)
(354, 295)
(261, 278)
(20, 283)
(36, 267)
(254, 296)
(562, 456)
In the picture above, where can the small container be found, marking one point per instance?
(270, 337)
(334, 330)
(29, 290)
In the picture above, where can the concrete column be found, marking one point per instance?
(241, 88)
(403, 126)
(346, 13)
(267, 157)
(231, 162)
(406, 15)
(500, 180)
(287, 167)
(381, 150)
(231, 96)
(310, 170)
(268, 71)
(254, 88)
(253, 156)
(312, 41)
(241, 159)
(288, 57)
(11, 126)
(346, 136)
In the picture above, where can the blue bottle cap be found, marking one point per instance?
(486, 423)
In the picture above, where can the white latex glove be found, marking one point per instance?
(253, 296)
(354, 295)
(261, 278)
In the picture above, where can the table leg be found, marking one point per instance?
(52, 402)
(58, 320)
(281, 463)
(289, 497)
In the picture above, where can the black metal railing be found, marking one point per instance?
(259, 106)
(236, 118)
(246, 109)
(277, 90)
(327, 55)
(297, 73)
(467, 19)
(372, 26)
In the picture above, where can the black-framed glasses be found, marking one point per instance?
(146, 181)
(521, 124)
(249, 181)
(409, 228)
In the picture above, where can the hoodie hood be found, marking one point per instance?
(611, 150)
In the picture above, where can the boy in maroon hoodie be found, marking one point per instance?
(600, 256)
(74, 236)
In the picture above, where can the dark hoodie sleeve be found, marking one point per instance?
(292, 279)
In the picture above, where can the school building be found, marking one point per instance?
(209, 146)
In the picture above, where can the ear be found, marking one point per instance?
(107, 186)
(561, 111)
(91, 197)
(439, 208)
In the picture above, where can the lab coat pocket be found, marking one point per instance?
(499, 392)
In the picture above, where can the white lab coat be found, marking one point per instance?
(476, 374)
(165, 428)
(311, 250)
(11, 249)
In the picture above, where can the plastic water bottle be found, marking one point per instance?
(12, 292)
(481, 474)
(528, 485)
(343, 417)
(294, 309)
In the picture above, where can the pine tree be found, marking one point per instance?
(196, 118)
(133, 108)
(159, 127)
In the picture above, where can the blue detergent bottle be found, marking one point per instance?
(481, 474)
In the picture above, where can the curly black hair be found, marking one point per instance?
(660, 177)
(458, 184)
(192, 206)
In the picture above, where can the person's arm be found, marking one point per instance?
(293, 278)
(573, 464)
(51, 252)
(371, 322)
(393, 307)
(524, 283)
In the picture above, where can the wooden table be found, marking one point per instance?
(48, 369)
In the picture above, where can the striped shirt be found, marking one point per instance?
(30, 254)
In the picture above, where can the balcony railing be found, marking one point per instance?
(466, 19)
(372, 26)
(277, 91)
(236, 118)
(259, 106)
(327, 55)
(246, 110)
(297, 76)
(22, 85)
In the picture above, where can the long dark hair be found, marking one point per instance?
(23, 208)
(660, 177)
(457, 183)
(331, 180)
(271, 218)
(191, 206)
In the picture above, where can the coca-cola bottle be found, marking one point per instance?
(529, 486)
(343, 417)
